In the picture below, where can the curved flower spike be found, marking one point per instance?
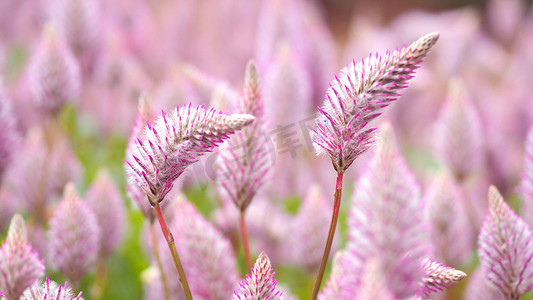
(50, 290)
(261, 285)
(175, 141)
(505, 248)
(19, 264)
(439, 277)
(358, 95)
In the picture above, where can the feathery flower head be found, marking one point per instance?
(480, 288)
(450, 228)
(385, 221)
(206, 254)
(73, 236)
(458, 136)
(525, 189)
(340, 284)
(439, 277)
(20, 266)
(54, 73)
(373, 285)
(244, 163)
(105, 200)
(175, 141)
(358, 95)
(505, 248)
(50, 290)
(260, 284)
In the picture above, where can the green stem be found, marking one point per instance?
(158, 260)
(331, 234)
(245, 241)
(170, 241)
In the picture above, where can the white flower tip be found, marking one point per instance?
(242, 120)
(251, 71)
(70, 191)
(17, 230)
(385, 138)
(428, 40)
(495, 198)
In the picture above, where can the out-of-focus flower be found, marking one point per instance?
(206, 255)
(439, 277)
(50, 163)
(50, 290)
(373, 285)
(458, 136)
(78, 21)
(244, 161)
(525, 189)
(8, 134)
(385, 221)
(505, 248)
(504, 17)
(260, 284)
(450, 230)
(9, 206)
(305, 243)
(105, 200)
(20, 266)
(480, 288)
(339, 285)
(176, 141)
(73, 236)
(358, 96)
(54, 73)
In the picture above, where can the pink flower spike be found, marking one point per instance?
(73, 236)
(260, 284)
(104, 198)
(244, 164)
(20, 266)
(385, 221)
(8, 134)
(162, 151)
(54, 73)
(505, 248)
(355, 92)
(50, 290)
(458, 133)
(439, 277)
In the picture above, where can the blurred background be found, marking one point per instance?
(72, 73)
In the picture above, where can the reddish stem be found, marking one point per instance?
(245, 241)
(331, 234)
(170, 241)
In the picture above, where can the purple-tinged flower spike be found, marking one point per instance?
(358, 95)
(525, 189)
(73, 236)
(78, 22)
(385, 221)
(244, 160)
(50, 290)
(480, 288)
(439, 277)
(340, 284)
(105, 200)
(54, 73)
(20, 266)
(505, 248)
(206, 254)
(175, 141)
(260, 284)
(8, 134)
(458, 136)
(373, 285)
(450, 230)
(307, 230)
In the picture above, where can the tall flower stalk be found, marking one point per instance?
(354, 98)
(176, 141)
(244, 163)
